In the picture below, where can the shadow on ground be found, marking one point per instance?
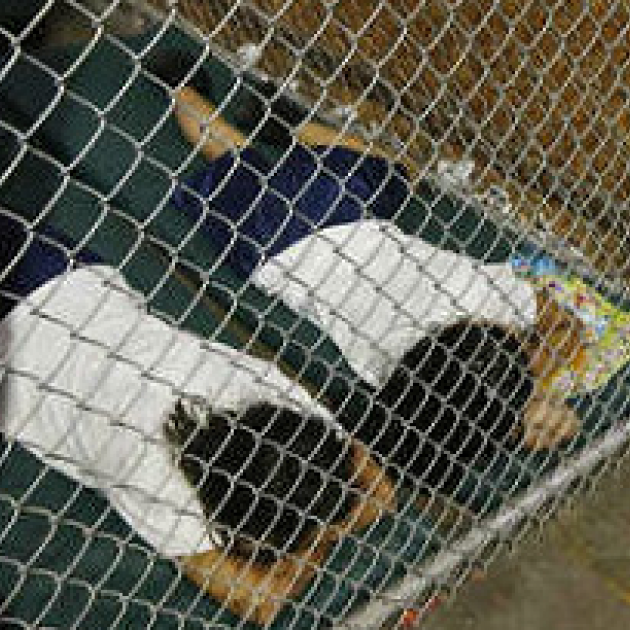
(576, 577)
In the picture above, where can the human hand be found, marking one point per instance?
(547, 422)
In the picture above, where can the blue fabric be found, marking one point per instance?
(255, 211)
(32, 266)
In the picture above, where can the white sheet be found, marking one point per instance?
(376, 291)
(90, 378)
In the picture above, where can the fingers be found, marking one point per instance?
(548, 422)
(203, 126)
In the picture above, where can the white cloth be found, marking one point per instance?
(89, 379)
(376, 291)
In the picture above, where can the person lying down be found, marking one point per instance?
(456, 353)
(213, 457)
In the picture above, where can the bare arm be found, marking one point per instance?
(318, 134)
(202, 125)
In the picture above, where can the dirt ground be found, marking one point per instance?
(576, 576)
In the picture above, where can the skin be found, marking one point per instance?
(258, 592)
(249, 589)
(558, 340)
(203, 126)
(547, 422)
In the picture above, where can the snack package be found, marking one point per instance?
(606, 327)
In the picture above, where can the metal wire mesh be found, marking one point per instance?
(306, 345)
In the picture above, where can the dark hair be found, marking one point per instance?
(453, 401)
(269, 475)
(175, 68)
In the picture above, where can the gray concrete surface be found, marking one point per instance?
(576, 576)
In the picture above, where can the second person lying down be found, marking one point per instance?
(453, 348)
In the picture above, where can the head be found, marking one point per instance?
(452, 401)
(268, 475)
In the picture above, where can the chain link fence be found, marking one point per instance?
(309, 308)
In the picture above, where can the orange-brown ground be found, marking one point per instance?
(536, 92)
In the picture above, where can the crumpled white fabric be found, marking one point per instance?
(90, 378)
(376, 291)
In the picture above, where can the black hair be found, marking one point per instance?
(264, 102)
(269, 475)
(454, 400)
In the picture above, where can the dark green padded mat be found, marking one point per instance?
(61, 560)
